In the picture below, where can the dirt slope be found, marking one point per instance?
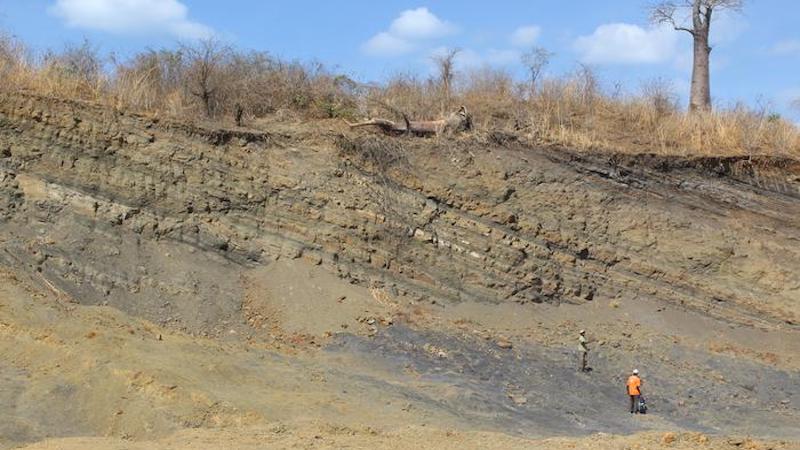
(304, 274)
(82, 371)
(325, 437)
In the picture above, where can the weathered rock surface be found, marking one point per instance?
(87, 192)
(431, 282)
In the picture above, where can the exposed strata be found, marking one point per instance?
(444, 220)
(182, 225)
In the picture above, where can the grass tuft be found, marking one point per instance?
(214, 82)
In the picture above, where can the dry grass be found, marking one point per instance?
(217, 83)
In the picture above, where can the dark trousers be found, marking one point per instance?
(634, 404)
(583, 361)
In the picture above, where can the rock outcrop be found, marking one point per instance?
(157, 218)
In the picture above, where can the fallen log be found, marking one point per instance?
(455, 122)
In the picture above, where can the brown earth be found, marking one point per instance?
(170, 286)
(327, 437)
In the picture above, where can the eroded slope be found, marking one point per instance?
(89, 191)
(415, 281)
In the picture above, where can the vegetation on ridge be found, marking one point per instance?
(214, 82)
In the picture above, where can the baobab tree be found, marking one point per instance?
(677, 14)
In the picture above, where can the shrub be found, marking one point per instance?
(219, 83)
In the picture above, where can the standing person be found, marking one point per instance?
(584, 349)
(634, 385)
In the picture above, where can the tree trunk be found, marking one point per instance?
(207, 103)
(700, 99)
(701, 86)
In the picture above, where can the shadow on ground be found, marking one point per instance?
(531, 390)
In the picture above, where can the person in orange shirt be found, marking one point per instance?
(634, 386)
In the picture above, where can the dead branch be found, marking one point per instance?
(455, 122)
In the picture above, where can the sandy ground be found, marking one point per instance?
(294, 297)
(369, 372)
(327, 437)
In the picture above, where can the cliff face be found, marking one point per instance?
(308, 273)
(159, 219)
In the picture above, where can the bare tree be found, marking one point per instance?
(13, 58)
(661, 95)
(586, 81)
(80, 61)
(206, 62)
(535, 60)
(150, 79)
(677, 14)
(445, 63)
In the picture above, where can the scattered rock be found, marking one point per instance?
(504, 344)
(518, 399)
(668, 439)
(279, 428)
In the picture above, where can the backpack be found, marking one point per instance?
(642, 405)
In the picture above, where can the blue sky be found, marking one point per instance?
(756, 56)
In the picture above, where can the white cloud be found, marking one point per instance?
(420, 24)
(385, 44)
(787, 47)
(525, 36)
(131, 17)
(406, 31)
(622, 43)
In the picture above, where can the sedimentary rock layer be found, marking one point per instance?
(158, 217)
